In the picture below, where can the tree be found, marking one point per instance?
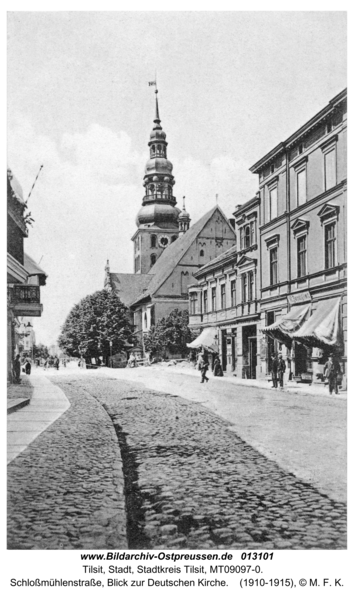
(40, 351)
(170, 334)
(93, 323)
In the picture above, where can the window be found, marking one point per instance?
(273, 257)
(223, 296)
(301, 186)
(201, 253)
(173, 238)
(244, 287)
(253, 239)
(330, 169)
(152, 259)
(205, 301)
(301, 256)
(193, 303)
(241, 238)
(272, 203)
(250, 286)
(247, 236)
(330, 245)
(233, 292)
(153, 241)
(213, 299)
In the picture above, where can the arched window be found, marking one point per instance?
(201, 253)
(159, 150)
(174, 237)
(152, 259)
(153, 149)
(153, 242)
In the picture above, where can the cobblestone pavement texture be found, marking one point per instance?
(65, 490)
(191, 482)
(305, 435)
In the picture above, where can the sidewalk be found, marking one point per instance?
(47, 403)
(317, 389)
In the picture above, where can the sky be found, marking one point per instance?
(232, 85)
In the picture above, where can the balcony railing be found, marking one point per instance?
(24, 294)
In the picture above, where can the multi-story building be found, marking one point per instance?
(224, 302)
(24, 276)
(303, 282)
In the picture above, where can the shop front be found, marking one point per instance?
(306, 336)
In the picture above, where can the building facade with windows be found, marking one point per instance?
(224, 302)
(24, 276)
(302, 231)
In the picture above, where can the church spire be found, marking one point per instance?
(183, 219)
(159, 204)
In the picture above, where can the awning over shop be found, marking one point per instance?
(208, 339)
(284, 329)
(322, 330)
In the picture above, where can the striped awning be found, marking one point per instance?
(284, 330)
(207, 339)
(322, 330)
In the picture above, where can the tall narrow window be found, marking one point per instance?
(250, 286)
(244, 287)
(205, 301)
(301, 186)
(193, 301)
(233, 292)
(301, 256)
(247, 237)
(330, 245)
(152, 259)
(330, 169)
(273, 203)
(273, 257)
(223, 295)
(153, 241)
(241, 238)
(253, 239)
(213, 299)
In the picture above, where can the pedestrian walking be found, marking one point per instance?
(17, 369)
(200, 360)
(218, 372)
(204, 366)
(281, 370)
(28, 367)
(274, 370)
(331, 371)
(56, 363)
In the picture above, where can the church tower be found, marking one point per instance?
(157, 219)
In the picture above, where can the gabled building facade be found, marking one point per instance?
(167, 250)
(224, 302)
(303, 262)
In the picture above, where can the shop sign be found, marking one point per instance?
(299, 298)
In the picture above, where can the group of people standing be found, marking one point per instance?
(277, 368)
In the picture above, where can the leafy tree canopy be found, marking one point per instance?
(170, 334)
(40, 351)
(93, 323)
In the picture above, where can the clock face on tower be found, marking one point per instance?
(164, 240)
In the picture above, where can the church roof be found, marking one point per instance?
(172, 255)
(229, 254)
(129, 285)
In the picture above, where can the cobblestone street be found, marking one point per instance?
(190, 481)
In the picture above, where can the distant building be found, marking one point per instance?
(224, 304)
(167, 251)
(24, 276)
(303, 237)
